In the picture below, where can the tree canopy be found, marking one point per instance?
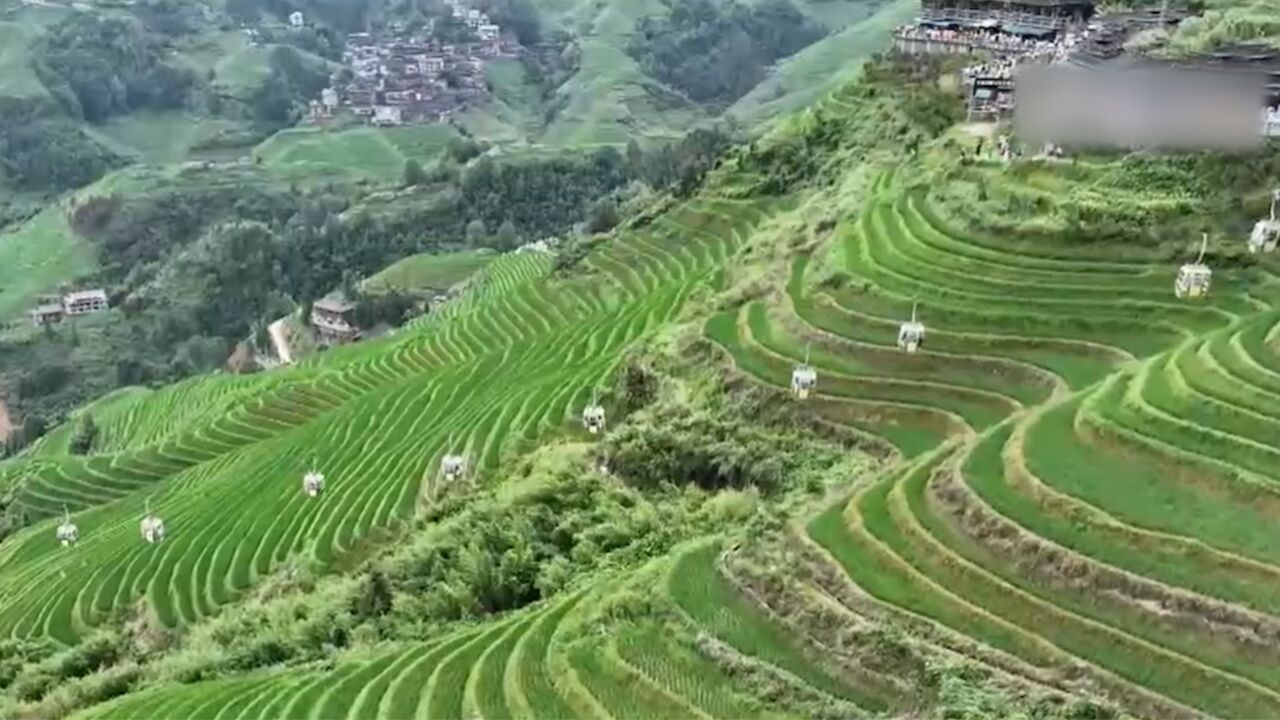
(102, 65)
(718, 51)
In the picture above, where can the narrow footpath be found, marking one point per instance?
(279, 340)
(6, 426)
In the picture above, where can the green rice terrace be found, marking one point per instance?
(1064, 504)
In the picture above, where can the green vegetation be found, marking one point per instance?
(19, 80)
(36, 256)
(99, 66)
(361, 153)
(430, 272)
(1227, 23)
(85, 90)
(716, 52)
(857, 31)
(632, 70)
(198, 267)
(54, 155)
(1060, 507)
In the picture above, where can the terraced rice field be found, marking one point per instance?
(517, 356)
(221, 460)
(1089, 472)
(1081, 494)
(536, 664)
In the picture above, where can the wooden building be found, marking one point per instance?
(334, 321)
(990, 98)
(47, 314)
(1016, 17)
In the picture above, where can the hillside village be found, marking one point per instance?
(401, 78)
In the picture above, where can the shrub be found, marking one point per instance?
(604, 216)
(85, 434)
(414, 174)
(374, 598)
(15, 653)
(685, 447)
(33, 684)
(639, 386)
(262, 653)
(99, 687)
(94, 653)
(733, 505)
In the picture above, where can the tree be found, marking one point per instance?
(130, 371)
(635, 158)
(413, 173)
(201, 354)
(103, 65)
(462, 150)
(508, 238)
(244, 11)
(51, 154)
(604, 216)
(374, 599)
(33, 428)
(717, 51)
(84, 436)
(47, 379)
(272, 103)
(291, 82)
(476, 231)
(639, 386)
(231, 279)
(520, 16)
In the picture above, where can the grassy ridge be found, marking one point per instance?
(360, 153)
(430, 271)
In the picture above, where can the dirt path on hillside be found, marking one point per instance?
(280, 340)
(6, 426)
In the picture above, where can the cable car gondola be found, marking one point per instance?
(911, 333)
(1194, 278)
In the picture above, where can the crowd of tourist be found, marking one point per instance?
(1000, 68)
(1010, 50)
(990, 39)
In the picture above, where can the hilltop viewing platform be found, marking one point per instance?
(1013, 36)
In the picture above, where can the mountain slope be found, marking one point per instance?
(609, 100)
(1060, 507)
